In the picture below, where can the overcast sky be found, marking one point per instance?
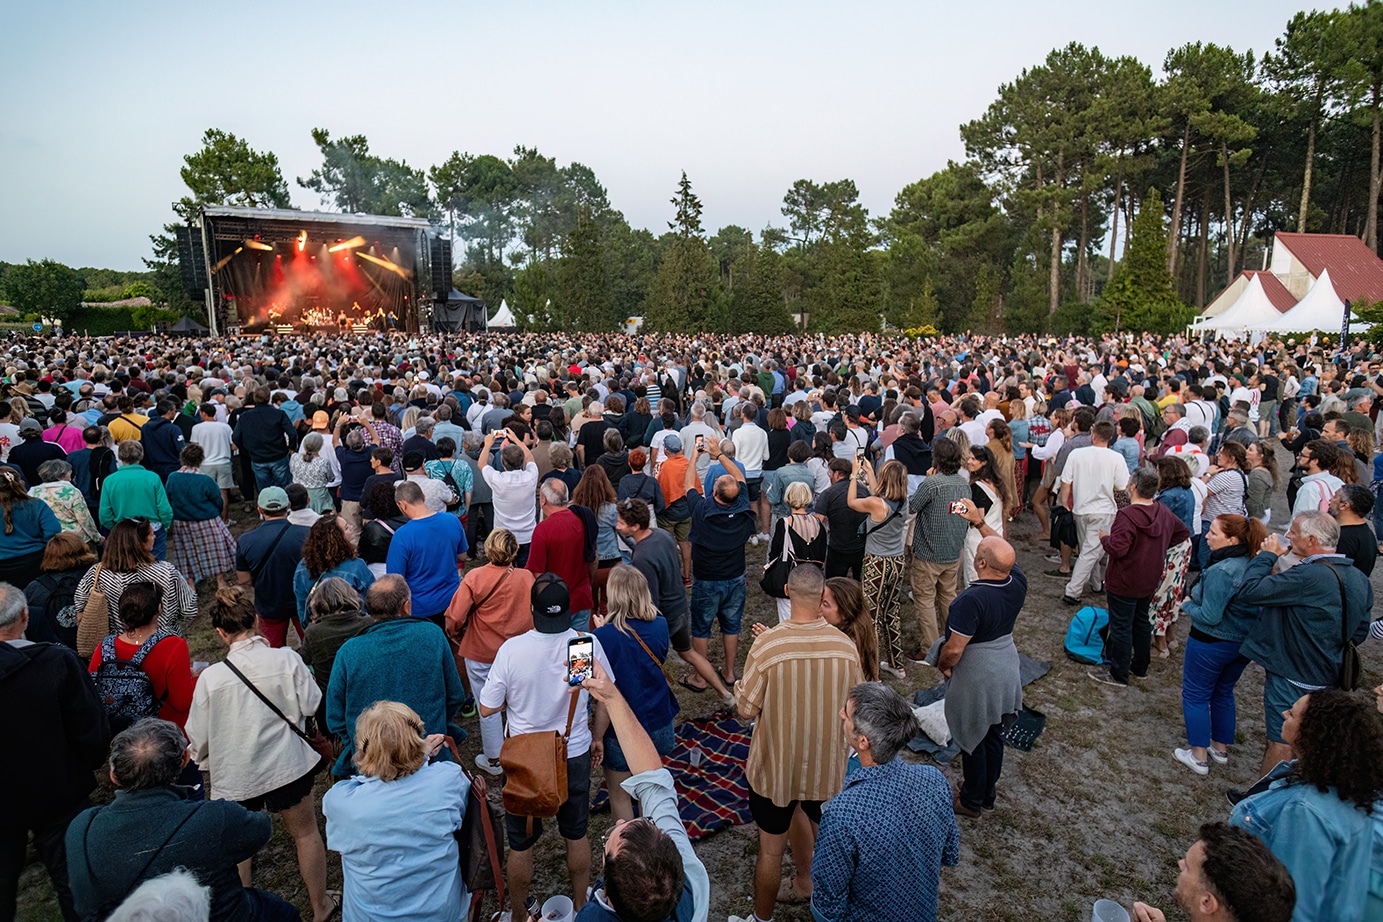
(102, 100)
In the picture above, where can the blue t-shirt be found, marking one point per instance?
(424, 553)
(717, 469)
(641, 680)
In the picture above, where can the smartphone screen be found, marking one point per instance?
(580, 659)
(859, 454)
(700, 443)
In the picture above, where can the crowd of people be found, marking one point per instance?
(400, 540)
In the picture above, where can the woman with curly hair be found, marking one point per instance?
(1315, 811)
(329, 551)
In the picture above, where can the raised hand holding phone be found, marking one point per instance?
(580, 659)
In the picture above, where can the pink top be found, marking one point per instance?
(69, 438)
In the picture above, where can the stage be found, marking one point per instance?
(283, 271)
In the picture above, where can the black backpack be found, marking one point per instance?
(122, 685)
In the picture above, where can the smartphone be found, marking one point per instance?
(860, 453)
(956, 508)
(700, 443)
(580, 659)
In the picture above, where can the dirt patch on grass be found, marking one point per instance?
(1099, 808)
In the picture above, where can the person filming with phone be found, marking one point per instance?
(535, 680)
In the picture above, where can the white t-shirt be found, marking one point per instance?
(529, 678)
(688, 435)
(9, 437)
(215, 439)
(515, 498)
(1094, 473)
(974, 429)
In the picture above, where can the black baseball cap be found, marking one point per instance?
(551, 604)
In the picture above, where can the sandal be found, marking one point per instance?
(694, 689)
(336, 911)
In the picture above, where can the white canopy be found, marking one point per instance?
(1321, 309)
(503, 317)
(1253, 311)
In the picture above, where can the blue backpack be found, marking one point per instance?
(123, 686)
(1085, 636)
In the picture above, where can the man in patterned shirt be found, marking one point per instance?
(796, 679)
(885, 837)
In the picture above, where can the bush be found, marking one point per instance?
(100, 321)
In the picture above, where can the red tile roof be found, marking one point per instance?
(1277, 292)
(1356, 271)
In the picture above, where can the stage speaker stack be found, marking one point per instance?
(191, 259)
(439, 250)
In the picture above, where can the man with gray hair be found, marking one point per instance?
(884, 838)
(175, 897)
(55, 730)
(151, 828)
(1299, 636)
(1237, 428)
(564, 544)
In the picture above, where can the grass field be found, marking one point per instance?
(1099, 808)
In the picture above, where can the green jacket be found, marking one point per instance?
(134, 492)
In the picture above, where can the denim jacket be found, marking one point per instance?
(1324, 842)
(1212, 606)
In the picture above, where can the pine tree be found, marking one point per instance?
(685, 295)
(924, 310)
(757, 303)
(583, 296)
(985, 309)
(1141, 294)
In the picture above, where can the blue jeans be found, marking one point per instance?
(266, 907)
(581, 620)
(1202, 547)
(1378, 514)
(717, 600)
(160, 543)
(271, 474)
(664, 738)
(1208, 675)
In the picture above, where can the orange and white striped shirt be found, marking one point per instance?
(796, 679)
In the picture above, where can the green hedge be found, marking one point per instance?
(99, 321)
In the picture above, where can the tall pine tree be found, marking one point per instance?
(1141, 296)
(757, 304)
(685, 296)
(583, 295)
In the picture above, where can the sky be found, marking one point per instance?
(101, 101)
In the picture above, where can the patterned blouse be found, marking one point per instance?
(70, 507)
(314, 474)
(179, 601)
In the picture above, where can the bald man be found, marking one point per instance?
(978, 656)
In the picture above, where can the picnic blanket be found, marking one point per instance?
(1023, 732)
(714, 794)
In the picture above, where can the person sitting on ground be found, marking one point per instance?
(395, 822)
(1228, 875)
(652, 872)
(151, 828)
(886, 836)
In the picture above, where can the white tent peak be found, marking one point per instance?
(1321, 309)
(503, 317)
(1253, 310)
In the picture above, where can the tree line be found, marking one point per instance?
(1095, 194)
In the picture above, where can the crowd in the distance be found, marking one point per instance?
(510, 535)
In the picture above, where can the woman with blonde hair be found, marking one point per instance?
(636, 642)
(395, 822)
(491, 605)
(252, 753)
(798, 537)
(885, 570)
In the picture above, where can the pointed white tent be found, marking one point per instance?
(1321, 309)
(503, 318)
(1253, 311)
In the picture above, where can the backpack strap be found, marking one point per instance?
(147, 647)
(108, 649)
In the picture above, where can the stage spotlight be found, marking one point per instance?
(255, 244)
(302, 241)
(380, 261)
(350, 244)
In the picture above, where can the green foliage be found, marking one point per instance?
(850, 294)
(583, 295)
(101, 321)
(144, 317)
(986, 310)
(532, 298)
(354, 180)
(227, 171)
(757, 304)
(685, 294)
(47, 288)
(1141, 296)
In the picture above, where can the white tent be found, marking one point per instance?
(503, 318)
(1321, 309)
(1253, 311)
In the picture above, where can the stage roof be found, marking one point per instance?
(292, 215)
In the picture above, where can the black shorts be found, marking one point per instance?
(679, 631)
(280, 799)
(774, 819)
(752, 485)
(572, 817)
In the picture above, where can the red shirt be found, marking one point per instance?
(169, 668)
(559, 546)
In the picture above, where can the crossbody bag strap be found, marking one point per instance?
(86, 844)
(571, 712)
(271, 705)
(1344, 609)
(898, 510)
(259, 567)
(483, 599)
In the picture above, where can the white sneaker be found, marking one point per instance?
(765, 538)
(1185, 757)
(485, 765)
(753, 540)
(1220, 757)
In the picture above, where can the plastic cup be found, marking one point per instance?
(561, 909)
(1109, 911)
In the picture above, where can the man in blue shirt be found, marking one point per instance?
(885, 837)
(426, 553)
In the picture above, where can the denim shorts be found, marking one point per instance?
(663, 741)
(717, 600)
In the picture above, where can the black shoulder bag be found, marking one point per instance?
(1351, 668)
